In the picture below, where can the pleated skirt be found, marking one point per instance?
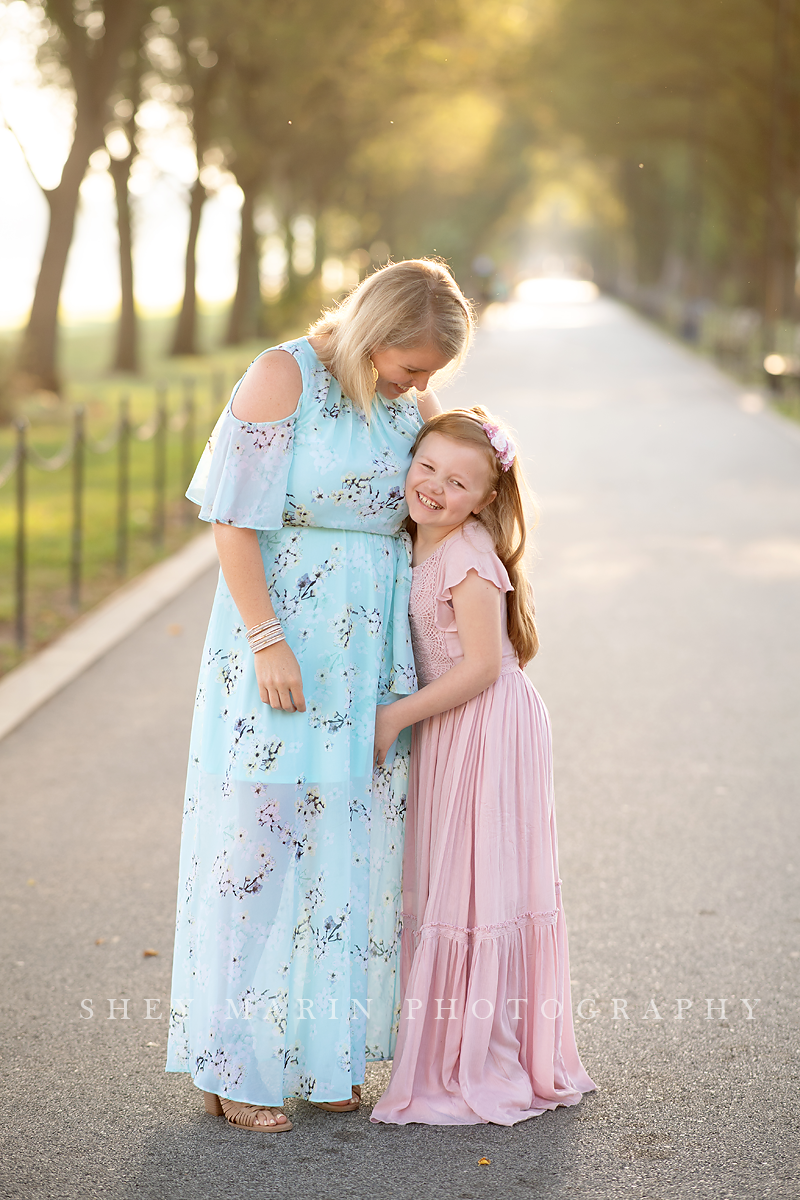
(486, 1031)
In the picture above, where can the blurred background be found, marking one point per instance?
(182, 185)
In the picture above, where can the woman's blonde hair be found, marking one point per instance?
(504, 517)
(407, 304)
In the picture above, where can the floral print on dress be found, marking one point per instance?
(241, 477)
(285, 975)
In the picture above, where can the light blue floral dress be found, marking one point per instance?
(285, 972)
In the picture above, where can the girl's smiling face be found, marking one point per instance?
(447, 482)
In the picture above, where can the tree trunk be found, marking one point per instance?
(320, 246)
(37, 360)
(777, 238)
(293, 283)
(94, 68)
(243, 322)
(127, 357)
(186, 331)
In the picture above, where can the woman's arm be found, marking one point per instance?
(478, 611)
(277, 670)
(269, 392)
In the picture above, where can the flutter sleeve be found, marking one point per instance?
(470, 550)
(242, 476)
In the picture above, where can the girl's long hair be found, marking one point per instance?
(504, 518)
(407, 304)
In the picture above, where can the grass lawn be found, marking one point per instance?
(85, 351)
(789, 405)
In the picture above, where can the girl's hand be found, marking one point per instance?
(280, 684)
(386, 731)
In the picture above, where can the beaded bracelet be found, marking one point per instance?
(268, 633)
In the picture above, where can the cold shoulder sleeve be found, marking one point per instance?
(242, 476)
(470, 550)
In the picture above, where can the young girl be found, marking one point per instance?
(486, 1024)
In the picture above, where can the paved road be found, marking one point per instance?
(669, 593)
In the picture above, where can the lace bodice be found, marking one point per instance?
(433, 626)
(428, 640)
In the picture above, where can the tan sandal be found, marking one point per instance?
(243, 1116)
(340, 1106)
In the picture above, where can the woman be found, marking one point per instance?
(284, 978)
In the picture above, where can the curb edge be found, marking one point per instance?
(33, 683)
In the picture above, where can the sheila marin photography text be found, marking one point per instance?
(617, 1008)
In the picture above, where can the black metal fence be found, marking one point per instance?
(192, 419)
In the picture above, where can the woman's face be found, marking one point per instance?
(400, 369)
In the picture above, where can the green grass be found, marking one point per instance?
(48, 515)
(788, 403)
(85, 352)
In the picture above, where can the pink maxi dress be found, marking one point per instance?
(486, 1031)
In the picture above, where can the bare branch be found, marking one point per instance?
(6, 125)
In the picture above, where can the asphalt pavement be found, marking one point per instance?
(668, 592)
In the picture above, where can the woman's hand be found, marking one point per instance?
(386, 731)
(280, 684)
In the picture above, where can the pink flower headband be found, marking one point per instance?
(502, 444)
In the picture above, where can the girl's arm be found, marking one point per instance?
(477, 607)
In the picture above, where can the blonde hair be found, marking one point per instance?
(504, 518)
(407, 304)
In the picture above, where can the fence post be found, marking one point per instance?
(160, 467)
(76, 542)
(19, 557)
(188, 464)
(217, 395)
(123, 484)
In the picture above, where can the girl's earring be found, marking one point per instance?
(374, 374)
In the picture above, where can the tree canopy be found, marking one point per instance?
(390, 125)
(403, 127)
(696, 104)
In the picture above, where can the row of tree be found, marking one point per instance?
(411, 127)
(695, 105)
(395, 124)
